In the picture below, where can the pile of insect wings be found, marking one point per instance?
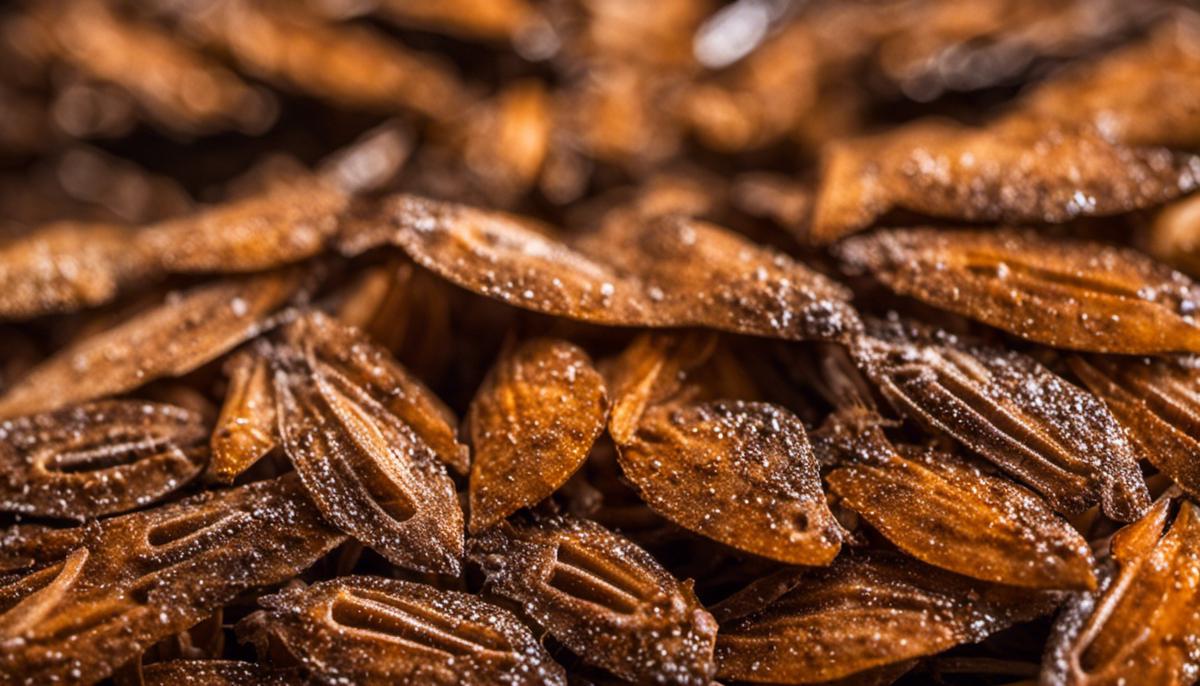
(599, 342)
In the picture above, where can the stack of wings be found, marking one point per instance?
(371, 342)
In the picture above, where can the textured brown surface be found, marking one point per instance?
(949, 513)
(533, 423)
(281, 225)
(1068, 294)
(170, 339)
(370, 630)
(143, 576)
(65, 267)
(366, 470)
(602, 596)
(1052, 435)
(740, 473)
(864, 612)
(675, 272)
(1099, 140)
(259, 257)
(1138, 628)
(99, 458)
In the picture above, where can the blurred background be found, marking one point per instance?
(135, 111)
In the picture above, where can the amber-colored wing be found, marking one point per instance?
(1048, 433)
(1139, 628)
(98, 458)
(867, 611)
(170, 339)
(532, 423)
(1064, 293)
(603, 597)
(374, 631)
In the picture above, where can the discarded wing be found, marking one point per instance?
(141, 577)
(863, 612)
(1156, 402)
(1097, 141)
(284, 224)
(603, 597)
(366, 470)
(370, 630)
(737, 472)
(246, 428)
(1139, 627)
(1069, 294)
(532, 424)
(98, 458)
(944, 511)
(1053, 436)
(1015, 171)
(170, 339)
(710, 276)
(667, 272)
(65, 267)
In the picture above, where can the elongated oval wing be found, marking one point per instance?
(1017, 170)
(287, 223)
(603, 597)
(633, 272)
(66, 267)
(98, 458)
(367, 471)
(737, 472)
(1102, 139)
(532, 423)
(1051, 435)
(948, 513)
(699, 274)
(167, 340)
(1064, 293)
(504, 257)
(374, 631)
(864, 612)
